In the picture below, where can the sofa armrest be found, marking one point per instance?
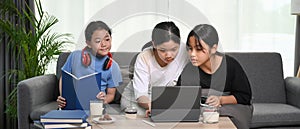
(33, 93)
(293, 90)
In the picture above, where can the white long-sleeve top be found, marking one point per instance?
(148, 73)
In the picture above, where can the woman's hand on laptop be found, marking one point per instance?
(61, 102)
(148, 111)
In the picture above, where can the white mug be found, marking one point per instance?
(131, 112)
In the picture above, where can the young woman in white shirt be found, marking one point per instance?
(159, 65)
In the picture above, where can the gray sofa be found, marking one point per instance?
(275, 99)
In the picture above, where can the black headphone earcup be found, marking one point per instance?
(107, 64)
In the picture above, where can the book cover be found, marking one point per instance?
(64, 116)
(64, 125)
(79, 91)
(38, 124)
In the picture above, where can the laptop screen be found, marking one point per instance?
(177, 97)
(178, 103)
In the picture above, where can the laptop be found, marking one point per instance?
(175, 104)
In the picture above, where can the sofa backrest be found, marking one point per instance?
(122, 58)
(265, 74)
(62, 58)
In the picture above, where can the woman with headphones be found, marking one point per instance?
(95, 58)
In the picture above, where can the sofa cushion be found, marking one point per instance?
(43, 109)
(120, 89)
(274, 114)
(62, 58)
(123, 59)
(265, 74)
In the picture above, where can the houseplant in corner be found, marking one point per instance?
(35, 46)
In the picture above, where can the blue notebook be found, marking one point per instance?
(64, 116)
(79, 91)
(65, 125)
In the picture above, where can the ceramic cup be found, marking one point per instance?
(131, 112)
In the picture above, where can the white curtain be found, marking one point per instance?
(243, 25)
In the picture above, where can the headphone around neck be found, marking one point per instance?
(86, 59)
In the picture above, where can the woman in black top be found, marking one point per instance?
(226, 80)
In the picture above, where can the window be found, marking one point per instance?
(243, 25)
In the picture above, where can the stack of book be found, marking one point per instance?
(64, 119)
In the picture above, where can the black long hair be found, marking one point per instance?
(204, 32)
(95, 25)
(165, 31)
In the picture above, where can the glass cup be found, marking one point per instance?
(131, 112)
(96, 108)
(210, 114)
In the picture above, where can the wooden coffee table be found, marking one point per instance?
(125, 123)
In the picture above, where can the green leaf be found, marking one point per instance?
(35, 48)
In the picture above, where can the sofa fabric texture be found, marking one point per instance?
(275, 100)
(272, 102)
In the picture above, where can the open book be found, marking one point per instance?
(79, 91)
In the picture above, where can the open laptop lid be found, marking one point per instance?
(177, 103)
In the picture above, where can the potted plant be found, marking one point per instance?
(35, 48)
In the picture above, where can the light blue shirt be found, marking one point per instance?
(109, 78)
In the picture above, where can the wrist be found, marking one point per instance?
(106, 100)
(220, 100)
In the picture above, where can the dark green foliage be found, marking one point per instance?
(32, 41)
